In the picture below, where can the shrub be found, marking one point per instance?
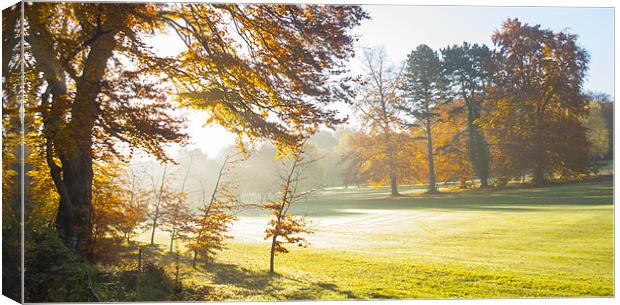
(55, 273)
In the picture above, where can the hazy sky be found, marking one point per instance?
(402, 28)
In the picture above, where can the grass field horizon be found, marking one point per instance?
(517, 242)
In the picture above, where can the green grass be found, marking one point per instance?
(519, 242)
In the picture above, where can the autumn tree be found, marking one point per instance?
(176, 218)
(135, 207)
(379, 113)
(369, 163)
(12, 245)
(11, 101)
(285, 228)
(176, 214)
(597, 132)
(425, 89)
(294, 65)
(42, 196)
(466, 68)
(606, 104)
(82, 52)
(216, 213)
(536, 103)
(246, 65)
(450, 152)
(108, 204)
(162, 194)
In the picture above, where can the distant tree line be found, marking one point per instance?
(517, 111)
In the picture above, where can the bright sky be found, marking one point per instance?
(401, 29)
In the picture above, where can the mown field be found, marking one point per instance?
(517, 242)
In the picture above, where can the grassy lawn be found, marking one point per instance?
(520, 242)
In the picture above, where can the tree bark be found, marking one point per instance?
(281, 212)
(540, 169)
(71, 142)
(194, 260)
(394, 185)
(540, 155)
(539, 176)
(432, 187)
(74, 218)
(273, 254)
(392, 162)
(171, 240)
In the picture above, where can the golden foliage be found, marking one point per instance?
(210, 226)
(533, 114)
(283, 227)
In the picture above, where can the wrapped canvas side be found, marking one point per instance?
(12, 153)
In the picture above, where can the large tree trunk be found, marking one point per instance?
(540, 168)
(394, 185)
(69, 139)
(74, 218)
(389, 149)
(540, 157)
(539, 178)
(432, 187)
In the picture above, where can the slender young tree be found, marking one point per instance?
(468, 75)
(136, 206)
(424, 85)
(216, 214)
(284, 228)
(176, 214)
(377, 105)
(161, 194)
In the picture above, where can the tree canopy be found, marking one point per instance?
(262, 71)
(536, 103)
(468, 75)
(425, 88)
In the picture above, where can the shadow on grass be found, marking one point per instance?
(334, 288)
(277, 286)
(229, 274)
(316, 290)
